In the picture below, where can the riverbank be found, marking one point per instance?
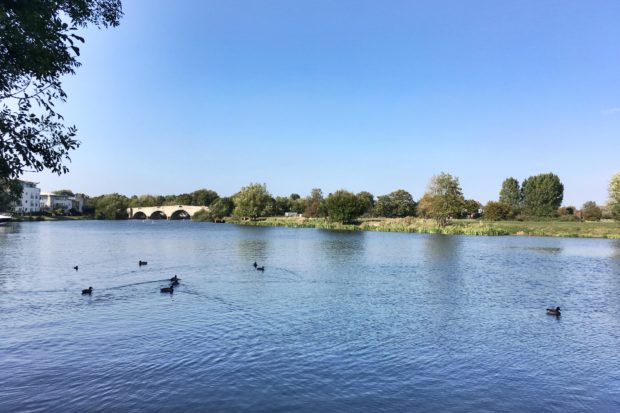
(33, 218)
(605, 229)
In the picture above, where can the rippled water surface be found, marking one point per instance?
(337, 322)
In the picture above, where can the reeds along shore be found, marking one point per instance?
(457, 227)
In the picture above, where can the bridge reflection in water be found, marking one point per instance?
(165, 212)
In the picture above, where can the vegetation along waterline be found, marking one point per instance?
(551, 228)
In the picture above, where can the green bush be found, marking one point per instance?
(497, 211)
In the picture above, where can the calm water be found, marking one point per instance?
(337, 322)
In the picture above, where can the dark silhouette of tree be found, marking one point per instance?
(39, 43)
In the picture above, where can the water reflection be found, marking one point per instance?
(616, 248)
(253, 249)
(442, 248)
(347, 243)
(550, 250)
(9, 228)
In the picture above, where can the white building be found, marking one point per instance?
(30, 200)
(50, 202)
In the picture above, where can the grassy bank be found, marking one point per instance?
(605, 229)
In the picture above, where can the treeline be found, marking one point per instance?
(541, 196)
(536, 197)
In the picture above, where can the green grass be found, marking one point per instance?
(606, 229)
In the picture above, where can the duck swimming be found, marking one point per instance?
(167, 289)
(260, 268)
(75, 268)
(141, 263)
(88, 291)
(554, 311)
(175, 278)
(255, 264)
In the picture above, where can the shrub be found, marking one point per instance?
(497, 211)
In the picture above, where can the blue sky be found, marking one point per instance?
(361, 95)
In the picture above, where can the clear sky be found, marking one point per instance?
(362, 95)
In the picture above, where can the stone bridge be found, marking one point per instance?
(165, 212)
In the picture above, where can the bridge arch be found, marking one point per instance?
(139, 215)
(180, 214)
(158, 215)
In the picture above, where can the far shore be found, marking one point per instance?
(552, 228)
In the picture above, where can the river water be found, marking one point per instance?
(338, 321)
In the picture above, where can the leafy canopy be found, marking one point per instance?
(614, 196)
(443, 199)
(591, 212)
(38, 45)
(510, 194)
(542, 195)
(344, 206)
(399, 203)
(252, 201)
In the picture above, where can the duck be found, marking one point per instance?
(174, 283)
(554, 311)
(167, 289)
(260, 268)
(255, 264)
(75, 268)
(141, 263)
(88, 291)
(175, 279)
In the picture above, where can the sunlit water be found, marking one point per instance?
(339, 321)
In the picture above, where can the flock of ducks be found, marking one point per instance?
(174, 281)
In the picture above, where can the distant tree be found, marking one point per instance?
(111, 206)
(183, 199)
(282, 205)
(510, 194)
(299, 205)
(143, 201)
(445, 198)
(294, 196)
(497, 211)
(399, 203)
(63, 192)
(203, 197)
(271, 209)
(39, 46)
(367, 202)
(566, 211)
(252, 201)
(591, 212)
(614, 196)
(315, 204)
(423, 208)
(542, 195)
(221, 208)
(10, 191)
(471, 209)
(343, 206)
